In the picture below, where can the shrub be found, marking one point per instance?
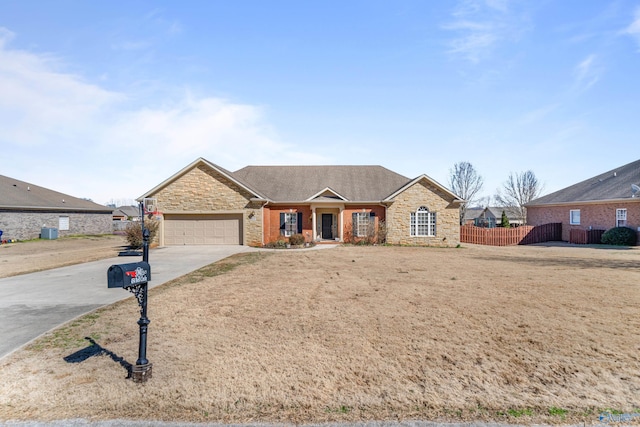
(278, 244)
(133, 232)
(296, 240)
(620, 236)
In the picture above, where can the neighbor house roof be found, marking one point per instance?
(512, 213)
(612, 185)
(127, 211)
(20, 195)
(299, 183)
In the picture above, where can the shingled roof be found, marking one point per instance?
(301, 183)
(612, 185)
(20, 195)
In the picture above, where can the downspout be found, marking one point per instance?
(262, 228)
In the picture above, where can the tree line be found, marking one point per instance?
(516, 191)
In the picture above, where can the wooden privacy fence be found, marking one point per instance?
(585, 237)
(523, 235)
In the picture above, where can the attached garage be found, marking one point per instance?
(187, 229)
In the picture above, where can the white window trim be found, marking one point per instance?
(64, 223)
(363, 220)
(420, 219)
(571, 219)
(290, 223)
(621, 217)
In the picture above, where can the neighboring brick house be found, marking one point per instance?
(605, 201)
(206, 204)
(27, 208)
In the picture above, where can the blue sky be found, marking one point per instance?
(105, 100)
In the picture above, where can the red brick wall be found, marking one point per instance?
(379, 212)
(272, 221)
(597, 216)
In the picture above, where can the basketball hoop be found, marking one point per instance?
(150, 205)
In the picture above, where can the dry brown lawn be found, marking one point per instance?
(521, 334)
(38, 255)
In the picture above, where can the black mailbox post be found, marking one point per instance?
(134, 277)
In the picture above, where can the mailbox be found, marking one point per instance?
(128, 275)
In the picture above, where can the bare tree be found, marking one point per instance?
(518, 190)
(465, 181)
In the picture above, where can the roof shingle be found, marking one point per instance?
(299, 183)
(16, 194)
(612, 185)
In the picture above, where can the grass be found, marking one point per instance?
(340, 335)
(67, 337)
(558, 412)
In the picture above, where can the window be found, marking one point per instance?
(63, 223)
(621, 217)
(290, 223)
(361, 224)
(423, 222)
(574, 217)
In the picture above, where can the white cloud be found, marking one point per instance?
(5, 36)
(634, 28)
(76, 137)
(39, 103)
(481, 26)
(587, 73)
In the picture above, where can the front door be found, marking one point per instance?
(327, 226)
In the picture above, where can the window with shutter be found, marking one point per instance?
(289, 223)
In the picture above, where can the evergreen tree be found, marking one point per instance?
(504, 221)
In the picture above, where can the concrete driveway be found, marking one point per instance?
(32, 304)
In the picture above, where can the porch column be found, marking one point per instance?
(341, 224)
(313, 224)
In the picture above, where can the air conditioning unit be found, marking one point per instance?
(49, 233)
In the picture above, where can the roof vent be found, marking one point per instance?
(634, 190)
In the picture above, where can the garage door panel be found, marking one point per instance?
(203, 229)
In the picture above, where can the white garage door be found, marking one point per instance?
(202, 230)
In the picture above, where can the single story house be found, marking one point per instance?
(491, 216)
(256, 205)
(126, 213)
(25, 209)
(611, 199)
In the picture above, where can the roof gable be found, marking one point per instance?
(612, 185)
(327, 194)
(193, 165)
(16, 194)
(446, 192)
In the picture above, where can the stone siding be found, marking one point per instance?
(423, 194)
(202, 190)
(28, 225)
(598, 216)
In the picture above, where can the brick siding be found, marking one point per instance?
(599, 216)
(28, 225)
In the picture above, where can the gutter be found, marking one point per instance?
(584, 202)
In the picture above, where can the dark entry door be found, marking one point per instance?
(327, 226)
